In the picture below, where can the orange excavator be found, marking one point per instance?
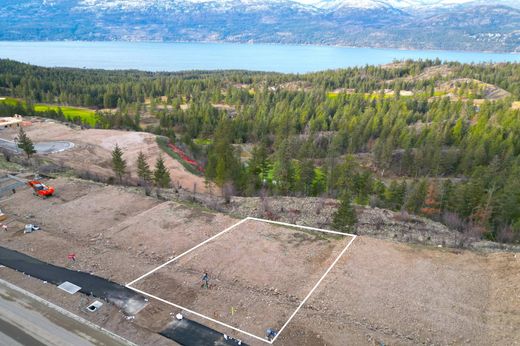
(40, 189)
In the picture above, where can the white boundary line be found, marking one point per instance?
(186, 252)
(314, 288)
(298, 226)
(198, 314)
(129, 285)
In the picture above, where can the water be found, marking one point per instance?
(159, 56)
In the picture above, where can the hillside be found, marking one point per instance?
(425, 138)
(425, 24)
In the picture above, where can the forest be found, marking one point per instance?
(426, 137)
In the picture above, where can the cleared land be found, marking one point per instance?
(379, 291)
(254, 257)
(93, 147)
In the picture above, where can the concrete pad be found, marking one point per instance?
(41, 147)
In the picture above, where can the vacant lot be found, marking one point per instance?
(379, 291)
(259, 273)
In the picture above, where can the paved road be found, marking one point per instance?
(26, 321)
(126, 299)
(41, 147)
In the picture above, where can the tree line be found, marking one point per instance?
(159, 176)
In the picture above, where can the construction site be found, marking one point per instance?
(237, 277)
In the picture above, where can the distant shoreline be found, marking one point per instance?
(411, 48)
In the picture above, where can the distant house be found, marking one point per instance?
(14, 121)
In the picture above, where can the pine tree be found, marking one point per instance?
(307, 175)
(25, 143)
(416, 196)
(345, 217)
(257, 166)
(223, 162)
(283, 170)
(143, 169)
(161, 176)
(118, 163)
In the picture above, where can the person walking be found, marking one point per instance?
(205, 280)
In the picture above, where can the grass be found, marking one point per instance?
(202, 141)
(87, 116)
(9, 101)
(163, 144)
(9, 166)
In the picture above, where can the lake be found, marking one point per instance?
(160, 56)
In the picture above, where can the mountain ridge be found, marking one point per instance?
(408, 24)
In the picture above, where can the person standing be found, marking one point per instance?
(205, 280)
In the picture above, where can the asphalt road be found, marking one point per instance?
(26, 321)
(41, 147)
(129, 301)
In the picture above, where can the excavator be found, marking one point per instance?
(40, 189)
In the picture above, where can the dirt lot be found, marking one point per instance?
(260, 271)
(92, 151)
(379, 291)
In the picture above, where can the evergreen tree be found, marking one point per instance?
(395, 194)
(345, 217)
(306, 177)
(161, 176)
(416, 196)
(118, 163)
(257, 167)
(446, 196)
(223, 163)
(25, 143)
(143, 169)
(283, 170)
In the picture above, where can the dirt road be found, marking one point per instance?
(26, 321)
